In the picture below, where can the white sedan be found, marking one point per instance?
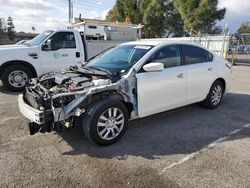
(132, 80)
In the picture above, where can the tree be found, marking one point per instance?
(132, 9)
(10, 28)
(200, 15)
(1, 29)
(117, 12)
(243, 33)
(244, 28)
(160, 17)
(153, 19)
(173, 24)
(3, 26)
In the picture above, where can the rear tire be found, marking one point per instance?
(105, 121)
(15, 77)
(214, 96)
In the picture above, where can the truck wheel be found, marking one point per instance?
(15, 77)
(214, 96)
(105, 121)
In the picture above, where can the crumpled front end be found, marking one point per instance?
(55, 99)
(41, 120)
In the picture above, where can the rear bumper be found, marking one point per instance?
(31, 113)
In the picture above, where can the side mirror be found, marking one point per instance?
(47, 45)
(153, 67)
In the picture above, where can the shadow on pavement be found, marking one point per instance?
(180, 131)
(5, 91)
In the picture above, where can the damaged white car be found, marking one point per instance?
(132, 80)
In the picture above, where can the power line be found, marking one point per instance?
(85, 5)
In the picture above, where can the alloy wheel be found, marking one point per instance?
(216, 95)
(110, 123)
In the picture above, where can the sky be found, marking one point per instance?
(47, 14)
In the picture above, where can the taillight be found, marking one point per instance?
(229, 65)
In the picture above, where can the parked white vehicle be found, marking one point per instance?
(132, 80)
(51, 50)
(21, 42)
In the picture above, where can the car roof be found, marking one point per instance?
(163, 41)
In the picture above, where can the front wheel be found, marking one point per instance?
(15, 77)
(105, 121)
(214, 96)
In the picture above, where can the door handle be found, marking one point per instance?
(78, 54)
(180, 75)
(210, 69)
(33, 55)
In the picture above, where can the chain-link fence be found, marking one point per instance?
(215, 43)
(239, 51)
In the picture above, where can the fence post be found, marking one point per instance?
(233, 56)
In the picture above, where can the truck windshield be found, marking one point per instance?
(40, 38)
(119, 59)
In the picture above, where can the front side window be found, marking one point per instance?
(63, 40)
(169, 56)
(119, 59)
(193, 55)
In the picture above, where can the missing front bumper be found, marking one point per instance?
(41, 121)
(31, 113)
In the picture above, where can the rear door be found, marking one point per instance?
(63, 52)
(164, 90)
(200, 72)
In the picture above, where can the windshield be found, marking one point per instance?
(40, 38)
(119, 59)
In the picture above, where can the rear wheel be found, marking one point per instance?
(214, 96)
(15, 77)
(105, 121)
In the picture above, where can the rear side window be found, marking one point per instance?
(194, 55)
(169, 56)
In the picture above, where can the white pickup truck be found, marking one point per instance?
(51, 50)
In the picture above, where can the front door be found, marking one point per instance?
(164, 90)
(61, 53)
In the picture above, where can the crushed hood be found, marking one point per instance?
(75, 78)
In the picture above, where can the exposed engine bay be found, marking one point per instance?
(61, 96)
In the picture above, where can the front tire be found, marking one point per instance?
(105, 121)
(15, 77)
(214, 96)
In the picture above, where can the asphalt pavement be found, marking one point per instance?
(186, 147)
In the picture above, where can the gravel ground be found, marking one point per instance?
(164, 150)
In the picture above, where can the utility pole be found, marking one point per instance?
(70, 11)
